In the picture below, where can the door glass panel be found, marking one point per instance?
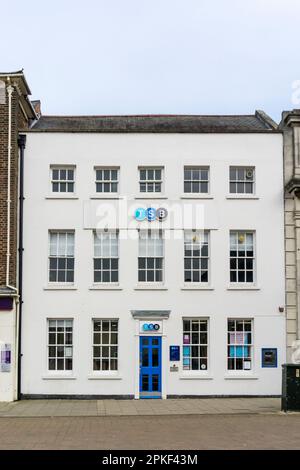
(145, 357)
(155, 357)
(145, 383)
(155, 341)
(145, 341)
(155, 383)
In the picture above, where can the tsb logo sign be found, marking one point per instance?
(151, 327)
(150, 214)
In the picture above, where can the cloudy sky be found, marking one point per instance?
(155, 56)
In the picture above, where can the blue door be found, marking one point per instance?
(150, 367)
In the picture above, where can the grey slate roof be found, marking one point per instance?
(156, 124)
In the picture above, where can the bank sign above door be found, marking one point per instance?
(150, 214)
(151, 327)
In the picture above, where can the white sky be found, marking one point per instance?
(154, 56)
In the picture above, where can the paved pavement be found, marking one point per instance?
(195, 406)
(272, 431)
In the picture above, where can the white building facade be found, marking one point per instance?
(124, 300)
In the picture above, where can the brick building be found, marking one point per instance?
(16, 113)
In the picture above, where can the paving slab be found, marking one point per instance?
(44, 408)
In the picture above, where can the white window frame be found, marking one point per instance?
(199, 371)
(242, 345)
(244, 181)
(64, 345)
(102, 234)
(244, 283)
(196, 168)
(59, 168)
(66, 256)
(109, 345)
(154, 269)
(202, 234)
(148, 181)
(110, 181)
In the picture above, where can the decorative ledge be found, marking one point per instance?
(60, 287)
(106, 287)
(194, 287)
(149, 287)
(59, 377)
(61, 197)
(240, 377)
(242, 287)
(196, 196)
(151, 196)
(195, 377)
(150, 313)
(104, 377)
(243, 197)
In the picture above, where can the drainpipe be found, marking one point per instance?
(10, 90)
(22, 144)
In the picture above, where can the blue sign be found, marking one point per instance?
(151, 214)
(151, 327)
(140, 214)
(174, 353)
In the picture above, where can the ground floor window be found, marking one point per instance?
(195, 344)
(60, 344)
(105, 345)
(239, 344)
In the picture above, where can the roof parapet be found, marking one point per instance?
(264, 117)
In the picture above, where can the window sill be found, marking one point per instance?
(151, 196)
(240, 377)
(150, 287)
(60, 287)
(196, 196)
(195, 377)
(106, 196)
(106, 287)
(242, 287)
(61, 196)
(242, 196)
(104, 377)
(197, 287)
(59, 377)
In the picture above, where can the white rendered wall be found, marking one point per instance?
(264, 215)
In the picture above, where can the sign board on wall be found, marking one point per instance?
(151, 327)
(5, 359)
(174, 353)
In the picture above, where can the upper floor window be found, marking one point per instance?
(196, 256)
(196, 179)
(107, 180)
(106, 257)
(63, 179)
(242, 256)
(151, 256)
(151, 180)
(241, 180)
(239, 344)
(61, 257)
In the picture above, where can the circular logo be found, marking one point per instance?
(151, 326)
(161, 213)
(140, 214)
(151, 214)
(203, 366)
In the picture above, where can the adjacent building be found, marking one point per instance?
(290, 126)
(16, 112)
(153, 257)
